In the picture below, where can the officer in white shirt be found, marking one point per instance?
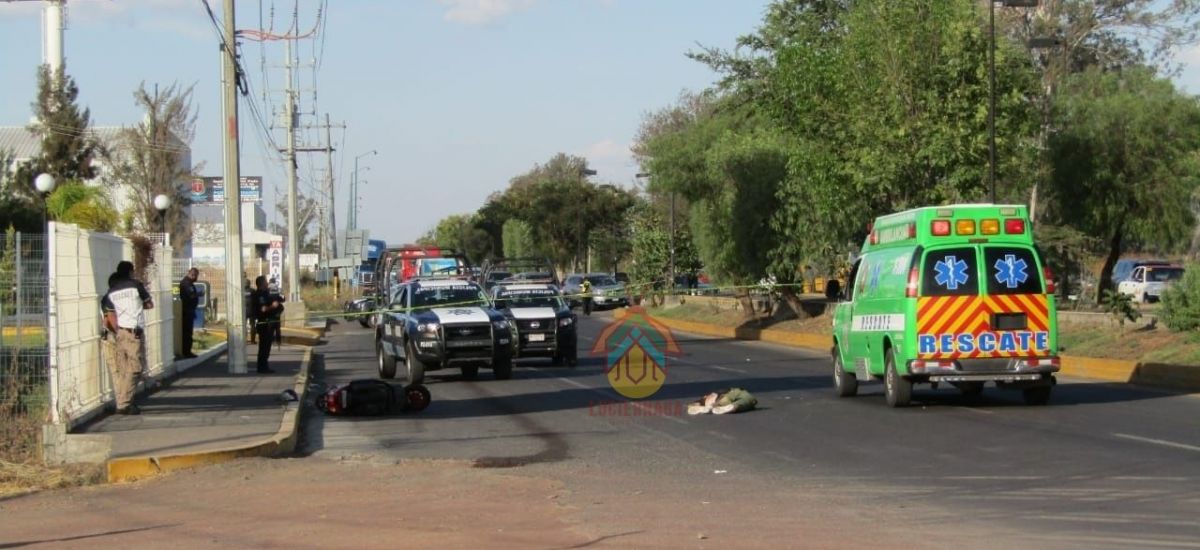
(124, 307)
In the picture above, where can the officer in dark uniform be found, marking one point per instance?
(268, 309)
(190, 300)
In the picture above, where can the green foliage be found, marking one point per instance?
(562, 209)
(1067, 252)
(83, 205)
(1181, 302)
(518, 242)
(68, 147)
(460, 232)
(8, 272)
(1120, 306)
(1125, 162)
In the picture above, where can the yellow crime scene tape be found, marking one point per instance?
(630, 290)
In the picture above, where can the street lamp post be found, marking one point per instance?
(992, 83)
(45, 183)
(161, 204)
(352, 219)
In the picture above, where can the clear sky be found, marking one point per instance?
(457, 96)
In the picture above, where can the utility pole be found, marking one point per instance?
(235, 306)
(332, 227)
(293, 247)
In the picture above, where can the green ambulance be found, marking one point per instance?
(949, 294)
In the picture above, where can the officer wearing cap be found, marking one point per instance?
(124, 307)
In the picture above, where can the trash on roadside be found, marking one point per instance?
(288, 396)
(730, 400)
(371, 397)
(720, 471)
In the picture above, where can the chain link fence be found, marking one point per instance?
(24, 350)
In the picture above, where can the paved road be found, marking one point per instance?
(1103, 465)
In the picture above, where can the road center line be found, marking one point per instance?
(1162, 442)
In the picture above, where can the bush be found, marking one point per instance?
(1120, 306)
(1181, 302)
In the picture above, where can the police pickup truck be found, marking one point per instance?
(434, 324)
(545, 325)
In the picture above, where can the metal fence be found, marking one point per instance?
(24, 351)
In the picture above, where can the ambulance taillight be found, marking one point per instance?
(940, 228)
(1048, 275)
(914, 276)
(1014, 226)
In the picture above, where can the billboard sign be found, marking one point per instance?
(211, 190)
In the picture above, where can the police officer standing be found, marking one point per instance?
(268, 308)
(585, 288)
(124, 307)
(190, 300)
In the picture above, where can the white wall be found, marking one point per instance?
(80, 264)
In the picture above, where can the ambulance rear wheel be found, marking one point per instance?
(844, 384)
(1037, 395)
(896, 388)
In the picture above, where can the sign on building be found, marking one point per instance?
(211, 190)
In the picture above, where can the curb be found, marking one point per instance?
(284, 442)
(1172, 377)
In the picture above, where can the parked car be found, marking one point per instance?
(1124, 268)
(1147, 283)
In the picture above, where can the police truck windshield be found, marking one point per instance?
(447, 296)
(530, 298)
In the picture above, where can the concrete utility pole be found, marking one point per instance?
(235, 305)
(332, 227)
(293, 246)
(52, 41)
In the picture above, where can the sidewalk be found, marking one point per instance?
(206, 409)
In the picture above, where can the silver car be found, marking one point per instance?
(607, 292)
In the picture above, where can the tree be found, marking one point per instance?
(67, 149)
(149, 159)
(517, 240)
(561, 208)
(1125, 160)
(460, 232)
(1102, 34)
(67, 144)
(308, 209)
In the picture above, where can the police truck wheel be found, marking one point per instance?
(364, 321)
(573, 354)
(897, 390)
(503, 368)
(470, 372)
(844, 384)
(414, 367)
(1037, 395)
(387, 363)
